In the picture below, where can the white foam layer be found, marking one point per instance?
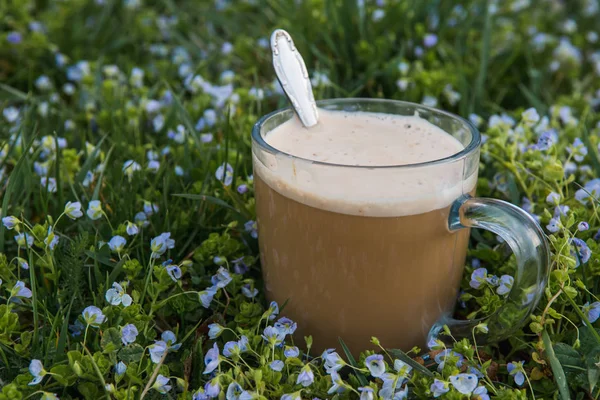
(365, 139)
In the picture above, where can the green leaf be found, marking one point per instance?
(131, 353)
(559, 374)
(402, 356)
(359, 375)
(64, 375)
(111, 340)
(567, 355)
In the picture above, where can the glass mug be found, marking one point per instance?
(354, 273)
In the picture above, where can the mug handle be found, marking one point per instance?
(527, 241)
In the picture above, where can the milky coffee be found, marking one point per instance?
(360, 252)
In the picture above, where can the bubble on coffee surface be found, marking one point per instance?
(368, 140)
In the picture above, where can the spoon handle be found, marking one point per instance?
(293, 77)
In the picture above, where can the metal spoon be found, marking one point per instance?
(293, 77)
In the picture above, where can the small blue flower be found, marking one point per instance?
(480, 393)
(161, 384)
(291, 396)
(14, 37)
(276, 365)
(200, 395)
(93, 316)
(583, 252)
(246, 395)
(375, 365)
(174, 272)
(515, 369)
(221, 278)
(206, 137)
(150, 208)
(366, 393)
(530, 116)
(243, 343)
(120, 368)
(206, 296)
(141, 219)
(506, 283)
(128, 334)
(391, 387)
(171, 340)
(51, 239)
(10, 222)
(553, 225)
(130, 167)
(578, 150)
(333, 361)
(19, 290)
(157, 350)
(225, 174)
(214, 330)
(478, 277)
(231, 348)
(77, 328)
(242, 189)
(402, 368)
(430, 40)
(251, 227)
(583, 226)
(212, 388)
(132, 229)
(117, 295)
(273, 336)
(306, 376)
(440, 358)
(233, 391)
(464, 383)
(291, 351)
(153, 166)
(117, 243)
(239, 266)
(592, 311)
(24, 240)
(161, 243)
(94, 210)
(22, 263)
(73, 210)
(438, 388)
(338, 384)
(286, 326)
(273, 310)
(36, 369)
(249, 291)
(179, 171)
(553, 198)
(211, 359)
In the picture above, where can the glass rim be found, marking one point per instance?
(473, 145)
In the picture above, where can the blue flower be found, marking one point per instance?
(36, 369)
(478, 277)
(94, 210)
(286, 326)
(276, 365)
(231, 348)
(161, 384)
(251, 227)
(120, 368)
(206, 296)
(174, 272)
(225, 174)
(160, 244)
(206, 137)
(464, 383)
(430, 40)
(553, 198)
(214, 330)
(402, 368)
(157, 350)
(583, 226)
(73, 210)
(221, 278)
(592, 311)
(366, 393)
(242, 189)
(273, 336)
(200, 395)
(440, 358)
(117, 243)
(438, 388)
(211, 359)
(10, 222)
(243, 343)
(583, 251)
(306, 376)
(22, 263)
(338, 385)
(590, 191)
(14, 37)
(546, 140)
(391, 387)
(141, 219)
(233, 391)
(128, 334)
(515, 369)
(212, 388)
(51, 239)
(93, 316)
(480, 393)
(19, 290)
(150, 208)
(553, 225)
(170, 339)
(246, 395)
(375, 365)
(24, 240)
(291, 396)
(578, 150)
(291, 351)
(530, 116)
(77, 328)
(179, 171)
(117, 295)
(333, 361)
(506, 283)
(153, 166)
(273, 310)
(132, 229)
(249, 291)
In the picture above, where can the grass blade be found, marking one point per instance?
(557, 371)
(402, 356)
(359, 375)
(209, 199)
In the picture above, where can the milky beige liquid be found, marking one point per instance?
(361, 252)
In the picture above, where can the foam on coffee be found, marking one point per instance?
(371, 140)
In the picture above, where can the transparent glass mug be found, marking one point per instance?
(390, 267)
